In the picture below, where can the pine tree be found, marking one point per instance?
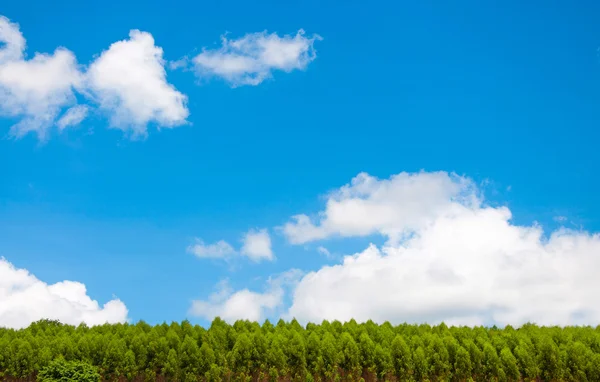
(367, 352)
(296, 355)
(549, 360)
(171, 368)
(421, 365)
(189, 355)
(509, 365)
(462, 364)
(349, 355)
(402, 359)
(491, 363)
(241, 354)
(314, 359)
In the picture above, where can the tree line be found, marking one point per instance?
(288, 351)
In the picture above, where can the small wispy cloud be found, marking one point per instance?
(253, 58)
(325, 252)
(219, 250)
(73, 116)
(256, 245)
(245, 304)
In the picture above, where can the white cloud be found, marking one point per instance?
(392, 207)
(460, 261)
(245, 304)
(34, 90)
(182, 63)
(12, 40)
(251, 59)
(25, 299)
(73, 116)
(324, 251)
(257, 245)
(219, 250)
(129, 82)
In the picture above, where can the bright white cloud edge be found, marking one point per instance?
(449, 257)
(25, 299)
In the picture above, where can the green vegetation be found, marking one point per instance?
(331, 351)
(60, 370)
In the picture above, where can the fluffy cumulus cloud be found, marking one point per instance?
(129, 82)
(251, 59)
(34, 90)
(219, 250)
(25, 299)
(394, 207)
(257, 245)
(245, 304)
(450, 258)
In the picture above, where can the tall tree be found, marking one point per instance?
(509, 365)
(462, 367)
(549, 360)
(349, 355)
(491, 363)
(402, 359)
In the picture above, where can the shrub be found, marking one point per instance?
(60, 370)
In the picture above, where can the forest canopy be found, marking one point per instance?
(330, 351)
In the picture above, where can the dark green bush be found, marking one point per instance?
(60, 370)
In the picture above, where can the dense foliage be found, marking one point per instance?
(60, 370)
(330, 351)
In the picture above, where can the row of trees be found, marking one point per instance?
(331, 351)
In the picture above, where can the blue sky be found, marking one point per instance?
(506, 97)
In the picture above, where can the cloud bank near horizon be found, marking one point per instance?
(25, 299)
(448, 257)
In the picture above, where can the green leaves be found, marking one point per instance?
(68, 371)
(349, 355)
(463, 367)
(491, 363)
(241, 354)
(402, 359)
(327, 352)
(549, 360)
(509, 365)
